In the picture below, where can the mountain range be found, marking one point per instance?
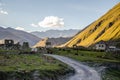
(55, 33)
(53, 41)
(18, 36)
(106, 28)
(22, 36)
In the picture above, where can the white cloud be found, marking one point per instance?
(51, 21)
(34, 25)
(3, 12)
(20, 28)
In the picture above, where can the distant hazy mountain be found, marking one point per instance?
(56, 33)
(106, 28)
(18, 36)
(53, 41)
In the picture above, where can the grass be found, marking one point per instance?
(15, 62)
(92, 56)
(23, 66)
(112, 74)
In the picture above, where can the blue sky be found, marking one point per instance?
(41, 15)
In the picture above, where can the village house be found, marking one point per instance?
(48, 44)
(43, 48)
(105, 46)
(101, 46)
(111, 48)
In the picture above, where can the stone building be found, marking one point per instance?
(101, 46)
(8, 44)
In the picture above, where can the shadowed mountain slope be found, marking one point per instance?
(56, 33)
(18, 36)
(53, 41)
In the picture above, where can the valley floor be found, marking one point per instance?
(31, 67)
(37, 66)
(107, 64)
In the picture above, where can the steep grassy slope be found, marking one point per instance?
(105, 28)
(41, 43)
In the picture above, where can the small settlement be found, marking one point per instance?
(106, 46)
(44, 46)
(8, 44)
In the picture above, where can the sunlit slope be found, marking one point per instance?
(105, 28)
(41, 43)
